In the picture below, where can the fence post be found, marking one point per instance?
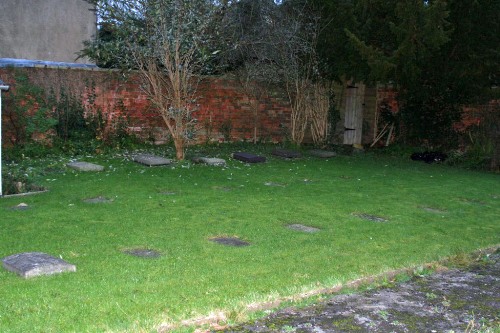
(3, 87)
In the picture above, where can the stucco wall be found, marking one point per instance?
(45, 29)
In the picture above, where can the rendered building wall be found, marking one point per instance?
(45, 29)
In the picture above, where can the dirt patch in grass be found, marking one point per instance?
(462, 299)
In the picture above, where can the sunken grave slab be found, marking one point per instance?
(286, 153)
(143, 253)
(372, 218)
(249, 158)
(303, 228)
(229, 241)
(322, 153)
(210, 161)
(85, 166)
(97, 200)
(151, 160)
(31, 264)
(273, 184)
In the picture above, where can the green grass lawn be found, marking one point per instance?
(115, 292)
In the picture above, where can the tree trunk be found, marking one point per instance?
(179, 148)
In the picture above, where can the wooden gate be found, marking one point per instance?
(353, 122)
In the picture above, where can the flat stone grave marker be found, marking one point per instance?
(210, 161)
(322, 153)
(21, 206)
(151, 160)
(230, 241)
(303, 228)
(31, 264)
(473, 201)
(223, 188)
(433, 210)
(248, 157)
(168, 192)
(273, 184)
(372, 218)
(286, 153)
(85, 166)
(98, 199)
(143, 253)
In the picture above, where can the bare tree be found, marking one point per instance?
(275, 43)
(168, 41)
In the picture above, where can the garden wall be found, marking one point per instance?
(224, 112)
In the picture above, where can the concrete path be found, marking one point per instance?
(453, 300)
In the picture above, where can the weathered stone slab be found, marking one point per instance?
(230, 241)
(96, 200)
(248, 158)
(85, 166)
(168, 192)
(143, 253)
(303, 228)
(222, 188)
(151, 160)
(210, 161)
(273, 184)
(372, 218)
(31, 264)
(322, 153)
(21, 206)
(286, 153)
(434, 210)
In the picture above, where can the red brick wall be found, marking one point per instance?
(220, 101)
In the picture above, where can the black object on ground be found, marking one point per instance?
(248, 158)
(429, 157)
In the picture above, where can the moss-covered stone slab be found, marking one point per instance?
(31, 264)
(248, 157)
(151, 160)
(85, 166)
(372, 218)
(229, 241)
(274, 184)
(303, 228)
(322, 153)
(143, 253)
(97, 200)
(284, 153)
(213, 161)
(433, 210)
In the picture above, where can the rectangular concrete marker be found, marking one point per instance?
(31, 264)
(322, 153)
(286, 153)
(304, 228)
(151, 160)
(248, 158)
(85, 166)
(210, 161)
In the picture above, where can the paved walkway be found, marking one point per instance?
(455, 300)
